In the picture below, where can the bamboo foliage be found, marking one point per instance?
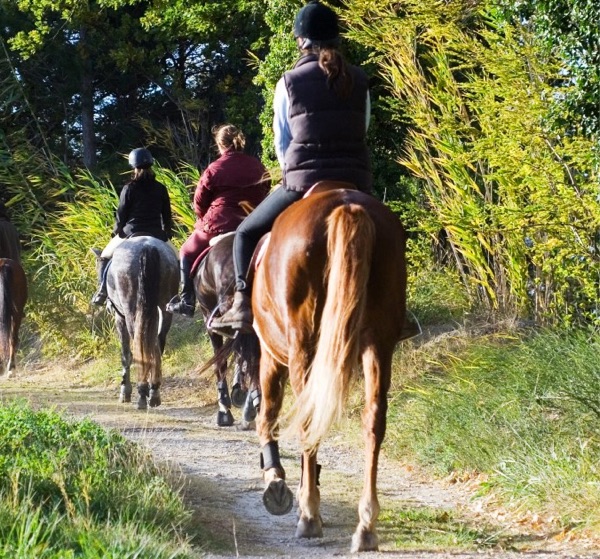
(514, 193)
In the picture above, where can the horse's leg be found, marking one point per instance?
(251, 407)
(277, 497)
(166, 319)
(310, 524)
(126, 358)
(224, 415)
(165, 326)
(249, 358)
(14, 343)
(377, 367)
(238, 394)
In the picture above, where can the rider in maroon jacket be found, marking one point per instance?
(228, 189)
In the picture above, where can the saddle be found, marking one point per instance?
(317, 188)
(214, 241)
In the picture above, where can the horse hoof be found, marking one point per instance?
(277, 498)
(142, 403)
(224, 419)
(309, 528)
(238, 396)
(155, 400)
(364, 541)
(247, 425)
(125, 395)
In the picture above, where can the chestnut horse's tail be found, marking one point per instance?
(146, 350)
(350, 243)
(6, 312)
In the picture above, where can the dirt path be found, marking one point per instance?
(220, 470)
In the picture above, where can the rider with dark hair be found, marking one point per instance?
(228, 190)
(10, 246)
(144, 208)
(321, 115)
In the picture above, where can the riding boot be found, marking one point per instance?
(185, 302)
(238, 317)
(100, 296)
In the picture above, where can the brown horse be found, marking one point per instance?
(328, 295)
(214, 285)
(13, 296)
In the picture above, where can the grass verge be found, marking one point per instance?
(521, 410)
(70, 489)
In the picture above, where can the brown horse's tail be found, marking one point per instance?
(6, 313)
(350, 241)
(146, 350)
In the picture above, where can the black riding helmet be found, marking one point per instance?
(318, 24)
(140, 158)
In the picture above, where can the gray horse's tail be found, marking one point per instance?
(6, 312)
(146, 351)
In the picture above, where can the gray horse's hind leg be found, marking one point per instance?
(126, 358)
(144, 393)
(250, 410)
(126, 388)
(166, 318)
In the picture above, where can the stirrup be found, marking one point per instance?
(181, 307)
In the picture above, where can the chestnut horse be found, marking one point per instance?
(328, 295)
(214, 285)
(13, 296)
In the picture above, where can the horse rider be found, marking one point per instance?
(228, 189)
(144, 208)
(10, 245)
(321, 116)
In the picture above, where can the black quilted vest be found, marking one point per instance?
(328, 133)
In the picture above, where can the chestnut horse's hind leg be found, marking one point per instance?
(310, 524)
(277, 497)
(126, 358)
(377, 372)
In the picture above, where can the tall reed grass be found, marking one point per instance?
(523, 410)
(62, 268)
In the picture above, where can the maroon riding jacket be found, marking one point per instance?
(233, 178)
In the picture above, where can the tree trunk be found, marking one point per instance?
(87, 103)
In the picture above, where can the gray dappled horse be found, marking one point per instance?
(13, 296)
(142, 277)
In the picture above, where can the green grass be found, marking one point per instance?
(433, 529)
(523, 410)
(70, 489)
